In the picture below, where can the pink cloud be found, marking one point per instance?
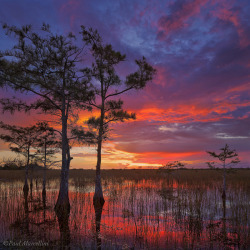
(70, 10)
(224, 12)
(179, 19)
(163, 76)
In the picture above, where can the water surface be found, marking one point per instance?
(154, 211)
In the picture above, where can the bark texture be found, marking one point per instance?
(62, 206)
(98, 199)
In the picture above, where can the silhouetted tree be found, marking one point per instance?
(21, 140)
(169, 167)
(109, 85)
(172, 165)
(63, 221)
(47, 65)
(223, 157)
(47, 146)
(12, 163)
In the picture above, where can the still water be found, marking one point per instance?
(155, 212)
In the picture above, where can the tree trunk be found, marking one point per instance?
(62, 206)
(26, 186)
(31, 181)
(44, 181)
(224, 182)
(44, 170)
(98, 199)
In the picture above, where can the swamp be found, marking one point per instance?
(143, 209)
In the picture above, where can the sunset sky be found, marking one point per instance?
(200, 97)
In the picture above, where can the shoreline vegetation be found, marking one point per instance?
(144, 209)
(181, 174)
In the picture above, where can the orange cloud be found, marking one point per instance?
(184, 113)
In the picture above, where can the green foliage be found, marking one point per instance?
(80, 134)
(22, 139)
(108, 84)
(49, 66)
(46, 65)
(225, 154)
(144, 74)
(47, 145)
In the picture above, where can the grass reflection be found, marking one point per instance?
(143, 209)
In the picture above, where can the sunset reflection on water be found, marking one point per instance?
(144, 213)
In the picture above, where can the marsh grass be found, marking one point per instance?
(144, 209)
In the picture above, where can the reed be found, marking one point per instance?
(143, 209)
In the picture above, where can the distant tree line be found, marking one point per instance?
(224, 160)
(12, 164)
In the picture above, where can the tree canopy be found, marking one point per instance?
(223, 157)
(49, 66)
(107, 86)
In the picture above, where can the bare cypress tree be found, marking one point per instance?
(108, 86)
(47, 65)
(21, 140)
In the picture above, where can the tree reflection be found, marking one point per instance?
(141, 214)
(98, 216)
(26, 212)
(224, 226)
(44, 204)
(31, 189)
(63, 221)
